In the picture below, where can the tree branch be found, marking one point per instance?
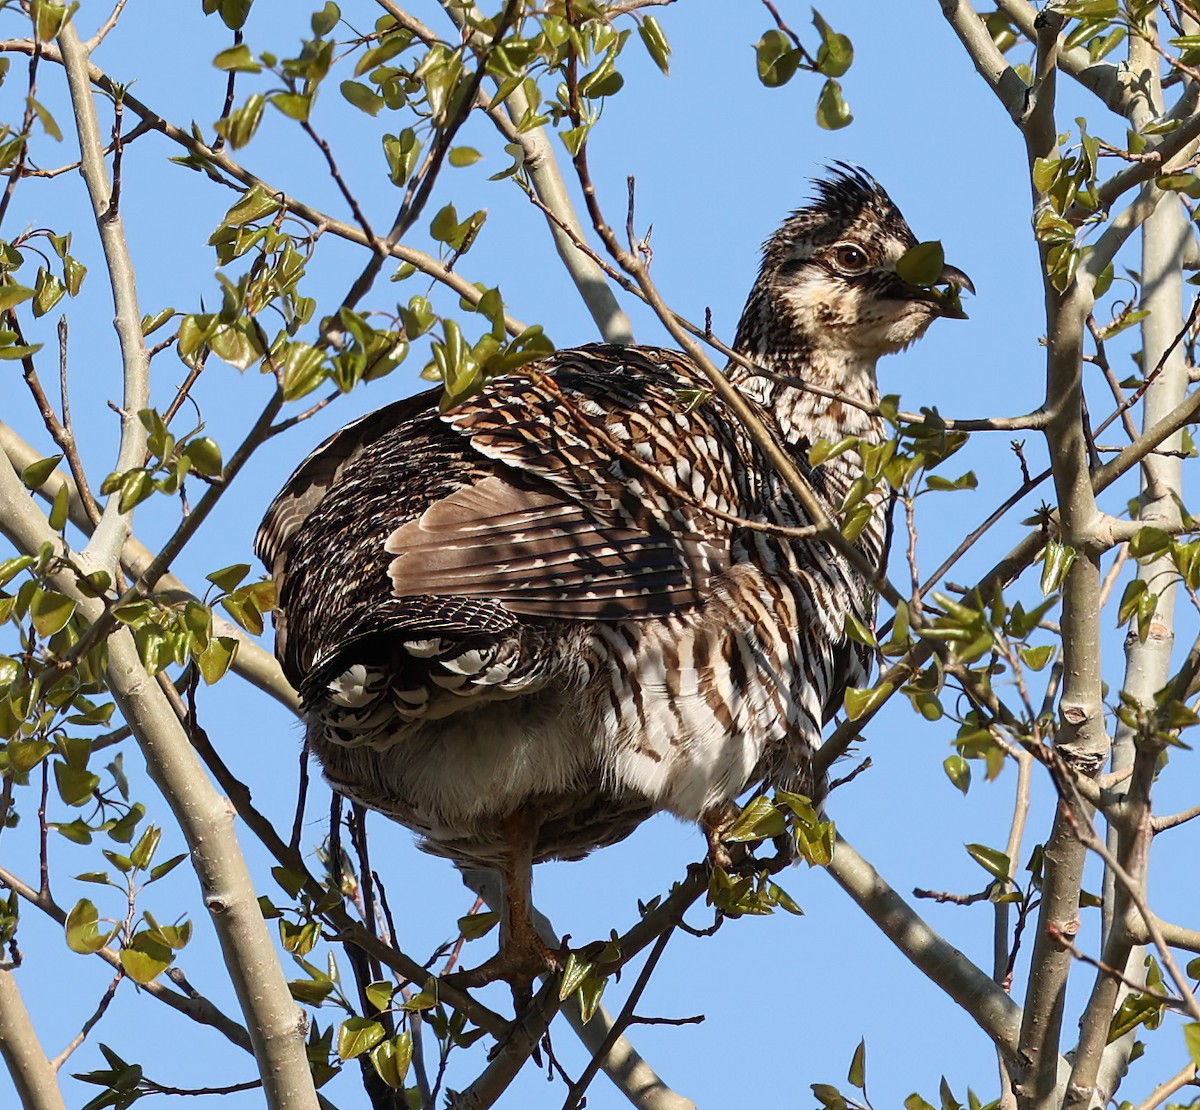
(32, 1073)
(987, 1003)
(108, 539)
(274, 1020)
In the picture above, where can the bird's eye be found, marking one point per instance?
(850, 259)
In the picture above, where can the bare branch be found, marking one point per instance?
(274, 1020)
(991, 64)
(991, 1008)
(103, 30)
(1165, 1090)
(32, 1074)
(109, 994)
(104, 547)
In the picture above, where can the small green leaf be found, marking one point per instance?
(379, 993)
(1035, 658)
(227, 578)
(464, 156)
(237, 59)
(365, 99)
(1057, 560)
(958, 771)
(1148, 541)
(147, 845)
(50, 611)
(857, 1075)
(833, 113)
(146, 957)
(777, 59)
(357, 1035)
(83, 930)
(922, 265)
(836, 52)
(166, 867)
(12, 295)
(392, 1059)
(991, 860)
(35, 475)
(759, 819)
(655, 41)
(1191, 1038)
(861, 701)
(204, 455)
(475, 925)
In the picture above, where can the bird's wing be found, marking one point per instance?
(314, 477)
(600, 507)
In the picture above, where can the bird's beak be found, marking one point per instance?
(946, 300)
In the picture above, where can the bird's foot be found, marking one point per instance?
(519, 962)
(716, 822)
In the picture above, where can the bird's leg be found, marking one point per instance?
(523, 954)
(716, 821)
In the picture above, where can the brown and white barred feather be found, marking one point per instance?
(526, 603)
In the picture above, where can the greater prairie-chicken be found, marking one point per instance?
(521, 626)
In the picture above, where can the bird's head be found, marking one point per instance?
(829, 284)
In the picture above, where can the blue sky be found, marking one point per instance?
(719, 160)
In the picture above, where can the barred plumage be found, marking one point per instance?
(521, 626)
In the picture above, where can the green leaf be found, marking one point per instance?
(655, 41)
(475, 925)
(861, 701)
(392, 1059)
(136, 486)
(1191, 1038)
(576, 970)
(49, 18)
(166, 867)
(147, 845)
(50, 611)
(379, 993)
(237, 59)
(48, 291)
(254, 205)
(1035, 658)
(326, 19)
(777, 59)
(60, 512)
(35, 475)
(829, 1097)
(833, 113)
(922, 265)
(958, 771)
(759, 819)
(836, 53)
(146, 957)
(364, 98)
(357, 1035)
(857, 1075)
(464, 156)
(12, 295)
(216, 659)
(966, 481)
(227, 578)
(1057, 560)
(84, 934)
(992, 860)
(204, 455)
(1148, 541)
(241, 124)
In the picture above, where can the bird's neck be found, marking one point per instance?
(814, 395)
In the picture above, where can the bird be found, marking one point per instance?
(523, 625)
